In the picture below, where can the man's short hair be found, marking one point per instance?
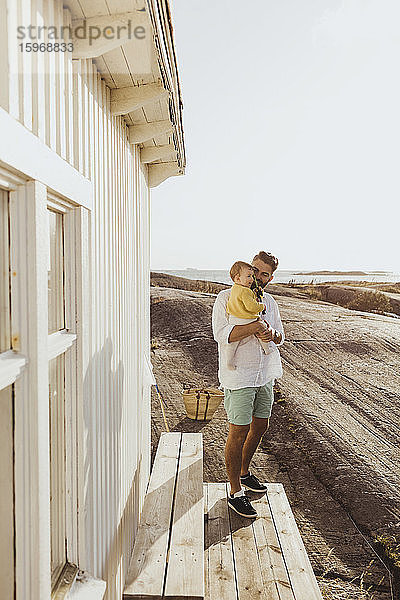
(237, 267)
(268, 259)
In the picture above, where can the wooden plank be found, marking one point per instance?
(77, 113)
(25, 68)
(85, 123)
(116, 65)
(50, 78)
(146, 570)
(138, 55)
(60, 85)
(7, 561)
(221, 571)
(273, 569)
(38, 79)
(185, 572)
(301, 575)
(206, 544)
(92, 8)
(69, 96)
(104, 72)
(75, 8)
(246, 561)
(29, 260)
(4, 60)
(14, 56)
(83, 309)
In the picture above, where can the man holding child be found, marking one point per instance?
(247, 378)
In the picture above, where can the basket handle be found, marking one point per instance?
(187, 386)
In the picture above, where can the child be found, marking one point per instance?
(243, 306)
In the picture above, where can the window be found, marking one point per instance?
(42, 245)
(60, 263)
(5, 334)
(56, 272)
(6, 414)
(57, 467)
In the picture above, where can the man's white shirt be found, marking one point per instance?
(253, 368)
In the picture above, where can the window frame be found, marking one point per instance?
(26, 366)
(69, 343)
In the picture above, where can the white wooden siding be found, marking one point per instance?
(67, 105)
(7, 502)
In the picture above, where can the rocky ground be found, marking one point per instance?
(334, 435)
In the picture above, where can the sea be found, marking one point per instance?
(282, 276)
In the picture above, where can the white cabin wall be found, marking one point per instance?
(67, 105)
(116, 402)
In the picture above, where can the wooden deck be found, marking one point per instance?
(168, 556)
(181, 553)
(261, 558)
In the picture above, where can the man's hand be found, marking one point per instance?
(270, 335)
(267, 334)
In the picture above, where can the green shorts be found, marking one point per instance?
(244, 404)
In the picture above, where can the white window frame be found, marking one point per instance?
(70, 341)
(25, 366)
(11, 363)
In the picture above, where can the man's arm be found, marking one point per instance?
(223, 331)
(220, 324)
(239, 332)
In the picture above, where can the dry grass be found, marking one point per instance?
(391, 549)
(370, 302)
(393, 288)
(354, 589)
(314, 292)
(180, 283)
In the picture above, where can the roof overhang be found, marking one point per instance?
(131, 42)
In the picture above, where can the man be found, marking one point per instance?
(248, 388)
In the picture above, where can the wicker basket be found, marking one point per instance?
(201, 403)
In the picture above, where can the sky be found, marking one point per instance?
(292, 135)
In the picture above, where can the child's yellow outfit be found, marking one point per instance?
(243, 308)
(242, 303)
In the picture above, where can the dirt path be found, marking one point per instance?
(334, 435)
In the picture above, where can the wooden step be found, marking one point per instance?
(168, 556)
(261, 558)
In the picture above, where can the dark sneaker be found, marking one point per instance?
(242, 506)
(250, 482)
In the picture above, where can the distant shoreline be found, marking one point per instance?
(290, 277)
(361, 273)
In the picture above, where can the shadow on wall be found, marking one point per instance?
(108, 536)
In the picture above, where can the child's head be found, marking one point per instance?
(242, 273)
